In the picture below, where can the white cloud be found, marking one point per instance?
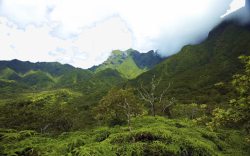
(25, 12)
(235, 5)
(73, 15)
(83, 32)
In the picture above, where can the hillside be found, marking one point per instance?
(129, 63)
(22, 67)
(41, 75)
(49, 75)
(194, 71)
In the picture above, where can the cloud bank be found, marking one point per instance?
(84, 32)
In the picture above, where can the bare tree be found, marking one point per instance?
(127, 110)
(150, 96)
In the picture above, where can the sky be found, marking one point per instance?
(84, 32)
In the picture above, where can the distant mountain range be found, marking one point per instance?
(44, 75)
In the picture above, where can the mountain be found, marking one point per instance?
(41, 75)
(194, 71)
(17, 77)
(121, 65)
(22, 67)
(8, 73)
(129, 63)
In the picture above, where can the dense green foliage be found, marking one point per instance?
(149, 136)
(238, 113)
(241, 104)
(48, 111)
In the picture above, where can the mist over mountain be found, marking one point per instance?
(196, 69)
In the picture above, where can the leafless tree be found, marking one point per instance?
(149, 94)
(127, 109)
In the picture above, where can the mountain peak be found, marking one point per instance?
(123, 53)
(129, 63)
(116, 52)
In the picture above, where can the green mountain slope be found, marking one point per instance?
(37, 79)
(22, 67)
(194, 71)
(18, 77)
(45, 75)
(9, 74)
(129, 63)
(35, 74)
